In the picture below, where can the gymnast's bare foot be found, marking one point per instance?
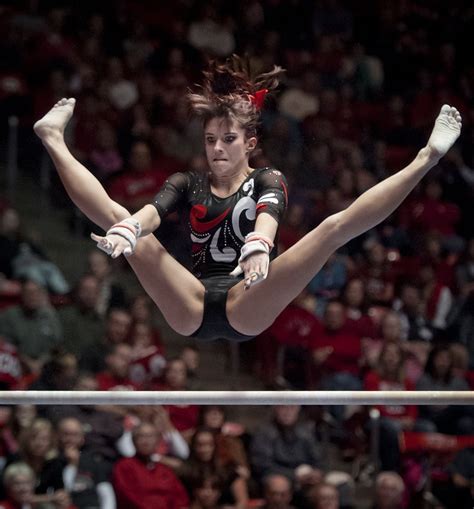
(52, 125)
(445, 132)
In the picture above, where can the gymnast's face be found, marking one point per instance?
(227, 147)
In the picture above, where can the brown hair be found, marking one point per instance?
(229, 91)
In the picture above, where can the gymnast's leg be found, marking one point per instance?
(252, 311)
(175, 291)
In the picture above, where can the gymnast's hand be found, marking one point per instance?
(112, 244)
(255, 269)
(254, 259)
(121, 238)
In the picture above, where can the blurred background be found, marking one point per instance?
(394, 309)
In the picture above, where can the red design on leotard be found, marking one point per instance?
(198, 212)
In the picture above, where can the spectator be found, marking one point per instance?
(33, 326)
(325, 496)
(105, 159)
(458, 492)
(439, 376)
(301, 100)
(329, 281)
(141, 309)
(117, 330)
(437, 297)
(211, 33)
(23, 259)
(354, 297)
(11, 239)
(82, 325)
(37, 450)
(142, 482)
(184, 417)
(461, 321)
(103, 430)
(389, 375)
(138, 185)
(229, 444)
(415, 326)
(11, 372)
(465, 270)
(116, 374)
(277, 492)
(58, 374)
(172, 447)
(19, 481)
(121, 92)
(111, 294)
(148, 361)
(190, 356)
(430, 213)
(389, 491)
(283, 349)
(84, 476)
(203, 459)
(21, 417)
(287, 446)
(378, 275)
(206, 492)
(336, 354)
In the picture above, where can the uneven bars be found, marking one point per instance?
(253, 398)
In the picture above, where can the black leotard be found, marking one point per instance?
(217, 226)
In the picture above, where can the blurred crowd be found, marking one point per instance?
(392, 310)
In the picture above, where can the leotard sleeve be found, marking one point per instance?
(172, 194)
(272, 193)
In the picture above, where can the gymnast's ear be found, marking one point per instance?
(251, 143)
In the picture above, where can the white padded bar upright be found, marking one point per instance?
(312, 398)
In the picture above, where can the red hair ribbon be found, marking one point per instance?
(258, 98)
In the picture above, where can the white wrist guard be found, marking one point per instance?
(129, 229)
(251, 247)
(254, 243)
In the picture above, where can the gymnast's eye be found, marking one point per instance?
(210, 140)
(229, 139)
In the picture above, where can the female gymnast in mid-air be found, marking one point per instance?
(232, 211)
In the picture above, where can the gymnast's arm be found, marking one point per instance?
(166, 201)
(272, 199)
(122, 237)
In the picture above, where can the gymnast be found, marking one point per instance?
(232, 211)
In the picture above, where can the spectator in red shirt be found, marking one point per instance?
(148, 361)
(336, 354)
(378, 274)
(105, 157)
(289, 339)
(415, 353)
(137, 186)
(354, 296)
(389, 376)
(116, 374)
(430, 213)
(143, 482)
(183, 417)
